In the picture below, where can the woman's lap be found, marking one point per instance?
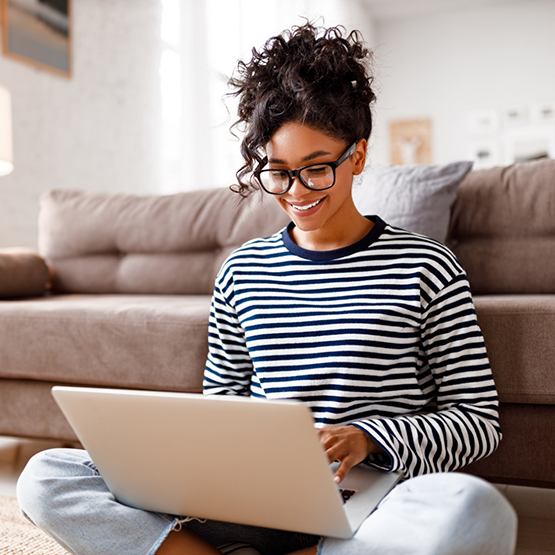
(62, 492)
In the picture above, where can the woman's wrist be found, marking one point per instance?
(372, 447)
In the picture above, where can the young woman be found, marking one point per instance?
(371, 326)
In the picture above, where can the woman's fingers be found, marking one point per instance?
(346, 444)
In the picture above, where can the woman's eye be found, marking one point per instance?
(316, 171)
(278, 174)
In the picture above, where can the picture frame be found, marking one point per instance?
(543, 113)
(485, 154)
(482, 122)
(532, 142)
(515, 116)
(38, 33)
(410, 141)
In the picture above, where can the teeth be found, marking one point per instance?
(307, 206)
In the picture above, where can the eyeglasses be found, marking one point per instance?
(316, 177)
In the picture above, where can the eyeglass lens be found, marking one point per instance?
(315, 177)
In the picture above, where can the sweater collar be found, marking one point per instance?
(361, 244)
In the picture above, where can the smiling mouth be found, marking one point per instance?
(306, 206)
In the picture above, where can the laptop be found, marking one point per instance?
(227, 458)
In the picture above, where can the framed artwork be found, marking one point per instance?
(411, 141)
(38, 32)
(530, 143)
(517, 115)
(543, 113)
(481, 122)
(485, 154)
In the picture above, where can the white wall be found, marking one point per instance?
(442, 66)
(98, 130)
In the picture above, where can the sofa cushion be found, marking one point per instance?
(503, 228)
(23, 273)
(416, 197)
(134, 341)
(518, 332)
(160, 342)
(170, 244)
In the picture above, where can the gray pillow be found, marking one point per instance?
(417, 198)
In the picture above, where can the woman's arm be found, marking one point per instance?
(464, 425)
(228, 367)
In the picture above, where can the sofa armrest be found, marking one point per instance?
(23, 273)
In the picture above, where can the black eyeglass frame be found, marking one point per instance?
(297, 173)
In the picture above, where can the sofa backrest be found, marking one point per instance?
(502, 228)
(165, 244)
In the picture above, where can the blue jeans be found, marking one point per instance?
(61, 491)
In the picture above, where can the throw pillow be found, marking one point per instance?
(23, 273)
(417, 197)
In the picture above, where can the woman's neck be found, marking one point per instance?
(332, 237)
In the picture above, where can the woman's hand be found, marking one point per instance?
(347, 444)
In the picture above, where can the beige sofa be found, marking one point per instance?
(131, 279)
(131, 283)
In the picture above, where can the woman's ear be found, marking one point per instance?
(359, 156)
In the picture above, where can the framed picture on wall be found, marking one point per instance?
(530, 143)
(411, 141)
(515, 116)
(482, 122)
(38, 32)
(485, 154)
(543, 113)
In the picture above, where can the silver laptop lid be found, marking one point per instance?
(226, 458)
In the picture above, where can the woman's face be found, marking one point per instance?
(320, 217)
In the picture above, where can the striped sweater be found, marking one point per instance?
(381, 335)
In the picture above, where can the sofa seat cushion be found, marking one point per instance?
(518, 332)
(161, 341)
(130, 341)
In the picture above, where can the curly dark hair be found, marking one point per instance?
(307, 74)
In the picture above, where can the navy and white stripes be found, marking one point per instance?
(382, 334)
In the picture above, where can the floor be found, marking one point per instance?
(535, 506)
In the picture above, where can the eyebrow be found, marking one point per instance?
(308, 158)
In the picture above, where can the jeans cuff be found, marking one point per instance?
(169, 528)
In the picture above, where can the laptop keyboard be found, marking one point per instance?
(346, 494)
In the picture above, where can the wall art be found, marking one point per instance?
(38, 32)
(411, 141)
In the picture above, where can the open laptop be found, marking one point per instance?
(234, 459)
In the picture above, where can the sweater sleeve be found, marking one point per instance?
(228, 367)
(463, 424)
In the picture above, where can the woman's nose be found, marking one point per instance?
(297, 188)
